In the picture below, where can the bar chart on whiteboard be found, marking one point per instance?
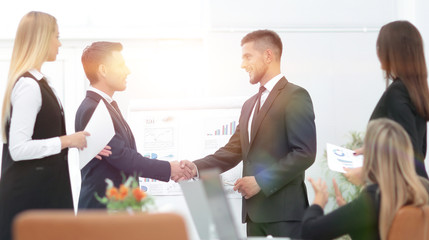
(183, 134)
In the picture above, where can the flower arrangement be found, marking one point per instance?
(127, 197)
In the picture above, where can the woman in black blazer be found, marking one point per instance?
(35, 171)
(406, 100)
(390, 183)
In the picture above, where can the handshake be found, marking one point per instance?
(185, 169)
(182, 170)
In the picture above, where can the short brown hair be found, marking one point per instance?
(267, 39)
(94, 55)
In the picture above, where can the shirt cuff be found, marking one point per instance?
(198, 173)
(56, 145)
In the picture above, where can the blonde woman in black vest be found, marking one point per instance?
(35, 171)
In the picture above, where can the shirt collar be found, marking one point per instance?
(273, 81)
(101, 93)
(38, 75)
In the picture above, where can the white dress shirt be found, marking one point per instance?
(26, 100)
(109, 100)
(101, 93)
(106, 97)
(268, 88)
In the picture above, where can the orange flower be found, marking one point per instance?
(112, 193)
(127, 195)
(123, 192)
(138, 194)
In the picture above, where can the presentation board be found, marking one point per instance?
(192, 130)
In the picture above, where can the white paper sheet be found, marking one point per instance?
(100, 126)
(339, 157)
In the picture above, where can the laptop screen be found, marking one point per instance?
(209, 207)
(198, 206)
(219, 205)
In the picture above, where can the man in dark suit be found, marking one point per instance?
(106, 70)
(275, 138)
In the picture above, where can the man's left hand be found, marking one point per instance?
(247, 186)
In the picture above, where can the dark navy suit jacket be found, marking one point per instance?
(124, 159)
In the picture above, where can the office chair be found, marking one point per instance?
(93, 225)
(410, 223)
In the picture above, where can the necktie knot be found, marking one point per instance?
(122, 119)
(115, 106)
(257, 105)
(258, 99)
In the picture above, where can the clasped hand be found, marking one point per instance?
(182, 170)
(247, 186)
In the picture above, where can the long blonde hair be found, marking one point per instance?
(30, 50)
(389, 162)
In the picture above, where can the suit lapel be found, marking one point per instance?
(266, 107)
(115, 117)
(247, 110)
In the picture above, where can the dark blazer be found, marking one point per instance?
(124, 158)
(395, 104)
(37, 183)
(359, 218)
(281, 148)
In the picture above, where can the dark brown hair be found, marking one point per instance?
(400, 50)
(94, 55)
(265, 39)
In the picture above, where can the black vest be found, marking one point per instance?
(49, 123)
(38, 183)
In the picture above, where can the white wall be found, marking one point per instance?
(329, 48)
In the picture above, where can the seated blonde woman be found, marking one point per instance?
(390, 183)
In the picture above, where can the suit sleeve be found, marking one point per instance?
(226, 157)
(301, 136)
(358, 216)
(400, 109)
(130, 161)
(82, 117)
(126, 159)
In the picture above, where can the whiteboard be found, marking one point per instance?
(188, 129)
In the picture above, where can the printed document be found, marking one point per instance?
(339, 157)
(100, 126)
